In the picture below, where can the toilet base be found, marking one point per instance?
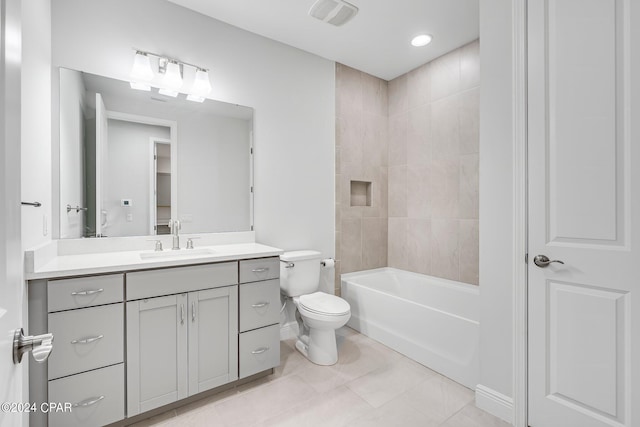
(319, 346)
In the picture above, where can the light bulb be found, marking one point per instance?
(172, 81)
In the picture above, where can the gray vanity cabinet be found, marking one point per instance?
(259, 337)
(182, 344)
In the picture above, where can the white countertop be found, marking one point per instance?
(108, 262)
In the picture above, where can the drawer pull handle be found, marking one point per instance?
(182, 314)
(260, 305)
(260, 350)
(89, 292)
(193, 311)
(260, 270)
(88, 402)
(87, 340)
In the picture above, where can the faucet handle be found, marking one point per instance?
(190, 242)
(158, 244)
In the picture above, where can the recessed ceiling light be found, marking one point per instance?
(421, 40)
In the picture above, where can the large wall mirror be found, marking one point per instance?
(131, 161)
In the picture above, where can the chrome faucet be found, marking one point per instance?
(175, 228)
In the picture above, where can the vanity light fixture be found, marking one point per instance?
(201, 86)
(172, 80)
(141, 73)
(421, 40)
(172, 70)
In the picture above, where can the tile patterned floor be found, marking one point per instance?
(371, 385)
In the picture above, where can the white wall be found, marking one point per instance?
(292, 92)
(496, 201)
(129, 175)
(36, 121)
(72, 128)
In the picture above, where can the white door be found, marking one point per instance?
(584, 210)
(102, 157)
(11, 285)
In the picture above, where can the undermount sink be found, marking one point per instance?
(176, 254)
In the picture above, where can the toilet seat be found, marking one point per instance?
(324, 304)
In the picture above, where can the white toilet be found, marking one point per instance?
(318, 314)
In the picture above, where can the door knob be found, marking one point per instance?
(543, 261)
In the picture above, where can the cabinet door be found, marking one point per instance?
(156, 352)
(213, 338)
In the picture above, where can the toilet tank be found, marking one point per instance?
(299, 272)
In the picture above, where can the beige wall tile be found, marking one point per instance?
(470, 65)
(348, 90)
(398, 191)
(375, 99)
(419, 245)
(445, 188)
(374, 243)
(398, 126)
(445, 75)
(398, 100)
(469, 186)
(419, 136)
(375, 136)
(445, 128)
(351, 245)
(419, 86)
(418, 192)
(444, 248)
(469, 121)
(350, 134)
(398, 255)
(469, 250)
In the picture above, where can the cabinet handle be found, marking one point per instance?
(87, 340)
(260, 350)
(182, 314)
(260, 305)
(89, 292)
(193, 311)
(88, 402)
(260, 270)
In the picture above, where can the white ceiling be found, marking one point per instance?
(376, 41)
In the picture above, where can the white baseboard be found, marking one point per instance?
(288, 331)
(494, 403)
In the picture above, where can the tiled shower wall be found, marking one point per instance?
(361, 156)
(415, 139)
(433, 167)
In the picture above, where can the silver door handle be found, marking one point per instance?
(542, 261)
(88, 402)
(87, 340)
(89, 292)
(40, 346)
(260, 305)
(260, 350)
(193, 311)
(182, 314)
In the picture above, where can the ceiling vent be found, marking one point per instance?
(335, 12)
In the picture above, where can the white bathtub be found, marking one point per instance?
(431, 320)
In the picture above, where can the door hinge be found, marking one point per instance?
(251, 150)
(526, 258)
(251, 189)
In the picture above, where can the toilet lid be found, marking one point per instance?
(321, 303)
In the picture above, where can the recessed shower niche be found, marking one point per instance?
(360, 193)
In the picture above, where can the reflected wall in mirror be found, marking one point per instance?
(130, 161)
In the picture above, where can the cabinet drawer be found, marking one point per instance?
(83, 292)
(259, 350)
(253, 270)
(259, 304)
(97, 398)
(87, 338)
(168, 281)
